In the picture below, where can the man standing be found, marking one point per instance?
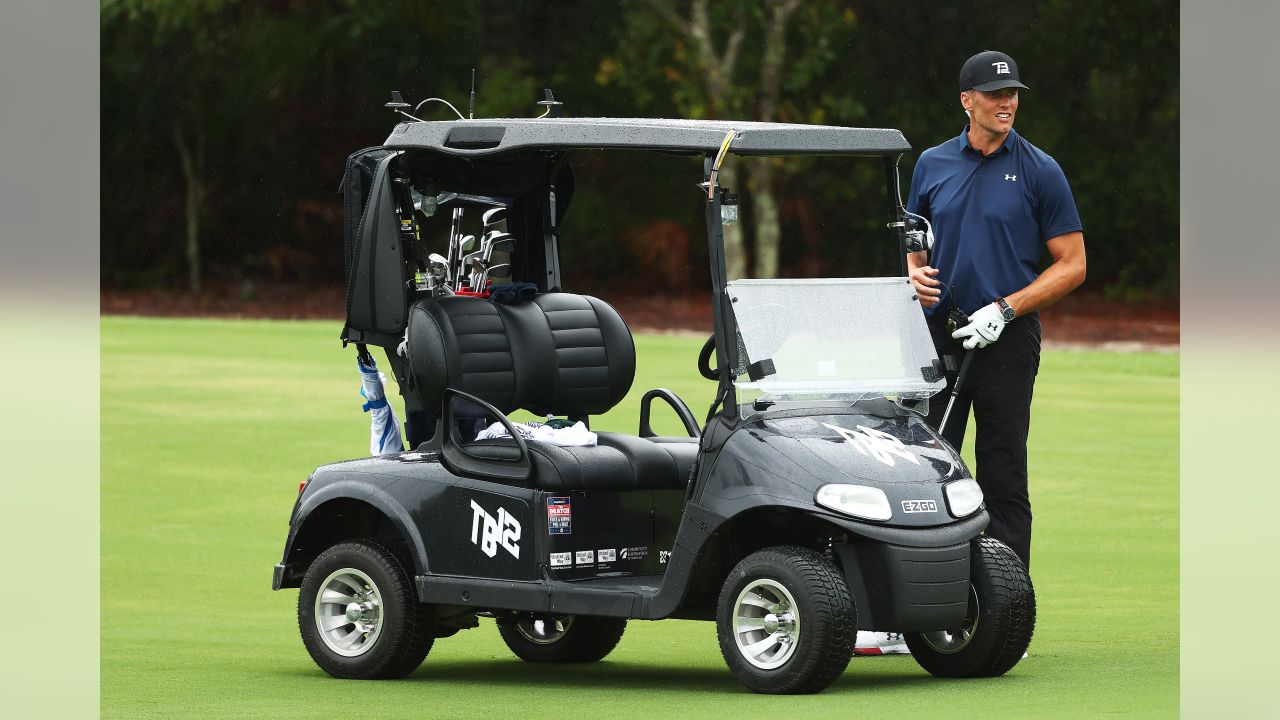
(995, 202)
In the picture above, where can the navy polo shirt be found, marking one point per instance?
(991, 216)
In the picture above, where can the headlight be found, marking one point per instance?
(963, 497)
(857, 500)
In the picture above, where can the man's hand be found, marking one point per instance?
(922, 279)
(984, 327)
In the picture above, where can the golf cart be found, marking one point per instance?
(814, 500)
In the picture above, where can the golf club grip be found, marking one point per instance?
(964, 370)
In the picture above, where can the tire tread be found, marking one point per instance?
(1009, 605)
(832, 619)
(407, 648)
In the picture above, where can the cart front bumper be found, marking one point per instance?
(907, 589)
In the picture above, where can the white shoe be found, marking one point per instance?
(880, 643)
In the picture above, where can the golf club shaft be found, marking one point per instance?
(455, 228)
(955, 389)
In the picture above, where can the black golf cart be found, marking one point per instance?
(814, 500)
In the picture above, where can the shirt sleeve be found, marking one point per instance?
(1055, 206)
(917, 199)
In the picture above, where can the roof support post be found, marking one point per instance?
(722, 318)
(551, 243)
(897, 216)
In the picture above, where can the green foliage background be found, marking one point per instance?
(280, 92)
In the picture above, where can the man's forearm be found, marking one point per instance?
(1065, 274)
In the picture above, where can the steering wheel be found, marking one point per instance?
(704, 360)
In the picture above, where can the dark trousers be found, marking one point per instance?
(998, 388)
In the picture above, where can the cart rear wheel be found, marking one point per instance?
(561, 638)
(359, 616)
(786, 621)
(998, 626)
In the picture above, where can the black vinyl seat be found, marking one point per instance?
(671, 472)
(618, 462)
(561, 354)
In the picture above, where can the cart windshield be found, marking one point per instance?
(841, 338)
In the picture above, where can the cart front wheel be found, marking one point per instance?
(358, 614)
(996, 629)
(786, 621)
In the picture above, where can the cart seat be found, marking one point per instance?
(562, 354)
(682, 453)
(618, 462)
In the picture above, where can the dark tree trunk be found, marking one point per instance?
(193, 174)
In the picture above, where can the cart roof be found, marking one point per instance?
(469, 138)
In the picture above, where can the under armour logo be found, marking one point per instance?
(1002, 68)
(1014, 178)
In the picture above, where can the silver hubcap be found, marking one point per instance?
(766, 624)
(544, 631)
(949, 642)
(349, 612)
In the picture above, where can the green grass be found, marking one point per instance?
(208, 426)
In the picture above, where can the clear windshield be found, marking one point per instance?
(841, 338)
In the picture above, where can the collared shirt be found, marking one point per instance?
(991, 216)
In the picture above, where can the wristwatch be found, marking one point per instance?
(1005, 310)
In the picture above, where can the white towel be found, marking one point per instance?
(576, 435)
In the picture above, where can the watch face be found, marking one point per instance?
(1008, 314)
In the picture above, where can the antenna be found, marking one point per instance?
(397, 102)
(553, 106)
(471, 114)
(398, 105)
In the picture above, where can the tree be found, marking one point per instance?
(717, 67)
(716, 80)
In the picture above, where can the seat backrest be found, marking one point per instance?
(562, 353)
(595, 357)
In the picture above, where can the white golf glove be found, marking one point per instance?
(984, 327)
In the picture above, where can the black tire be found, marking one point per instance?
(561, 638)
(404, 628)
(1000, 623)
(823, 621)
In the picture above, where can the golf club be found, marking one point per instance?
(478, 267)
(956, 319)
(465, 267)
(494, 242)
(503, 244)
(438, 275)
(466, 247)
(501, 270)
(493, 217)
(455, 226)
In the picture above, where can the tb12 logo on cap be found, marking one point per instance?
(1002, 68)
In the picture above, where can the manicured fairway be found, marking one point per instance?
(208, 427)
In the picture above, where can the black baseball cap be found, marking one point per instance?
(989, 70)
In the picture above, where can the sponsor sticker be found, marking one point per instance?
(633, 553)
(607, 555)
(584, 557)
(559, 516)
(919, 506)
(563, 559)
(663, 556)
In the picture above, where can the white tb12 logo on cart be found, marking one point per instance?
(878, 444)
(489, 532)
